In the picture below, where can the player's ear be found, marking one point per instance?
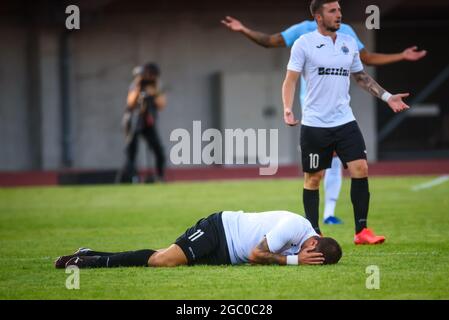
(314, 241)
(311, 242)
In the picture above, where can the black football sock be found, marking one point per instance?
(90, 253)
(360, 201)
(311, 200)
(127, 259)
(96, 253)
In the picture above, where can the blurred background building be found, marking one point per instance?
(62, 93)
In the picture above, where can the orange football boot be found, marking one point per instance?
(366, 236)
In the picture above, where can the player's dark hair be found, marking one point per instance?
(330, 249)
(317, 5)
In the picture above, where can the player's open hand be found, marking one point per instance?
(310, 256)
(289, 118)
(396, 104)
(233, 24)
(412, 54)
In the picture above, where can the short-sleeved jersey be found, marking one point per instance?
(293, 33)
(285, 232)
(326, 67)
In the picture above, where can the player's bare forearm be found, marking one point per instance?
(262, 255)
(365, 81)
(379, 59)
(289, 88)
(288, 96)
(395, 101)
(258, 37)
(263, 39)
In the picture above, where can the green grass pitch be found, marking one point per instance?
(39, 224)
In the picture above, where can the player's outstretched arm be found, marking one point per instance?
(395, 102)
(261, 254)
(262, 39)
(378, 59)
(288, 96)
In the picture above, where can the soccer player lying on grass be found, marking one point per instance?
(228, 237)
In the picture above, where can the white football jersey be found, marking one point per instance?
(326, 67)
(285, 232)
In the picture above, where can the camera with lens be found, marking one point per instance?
(148, 72)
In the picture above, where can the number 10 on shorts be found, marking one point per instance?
(314, 160)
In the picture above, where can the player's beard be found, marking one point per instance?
(331, 28)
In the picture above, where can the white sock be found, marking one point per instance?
(332, 186)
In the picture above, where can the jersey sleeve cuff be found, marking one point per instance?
(292, 68)
(286, 40)
(357, 70)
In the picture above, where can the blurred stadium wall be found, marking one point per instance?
(62, 93)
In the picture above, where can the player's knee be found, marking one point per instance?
(312, 182)
(159, 259)
(361, 169)
(167, 258)
(364, 168)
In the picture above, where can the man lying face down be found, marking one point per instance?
(227, 237)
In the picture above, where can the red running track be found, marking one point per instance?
(387, 168)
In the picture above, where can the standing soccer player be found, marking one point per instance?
(327, 58)
(333, 176)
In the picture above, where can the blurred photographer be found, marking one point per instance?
(144, 101)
